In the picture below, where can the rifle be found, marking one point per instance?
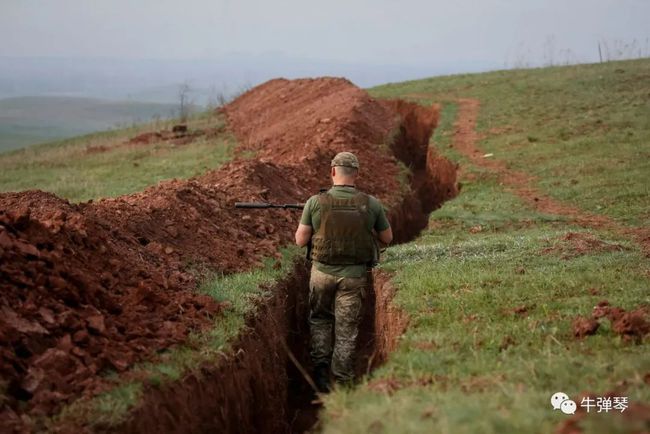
(264, 205)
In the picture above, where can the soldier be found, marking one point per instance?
(343, 225)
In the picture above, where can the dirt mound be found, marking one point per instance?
(76, 301)
(98, 286)
(631, 325)
(179, 135)
(102, 285)
(304, 123)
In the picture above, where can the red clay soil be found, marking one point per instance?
(583, 326)
(99, 286)
(302, 123)
(631, 325)
(248, 390)
(522, 184)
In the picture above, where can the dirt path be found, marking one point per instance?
(523, 184)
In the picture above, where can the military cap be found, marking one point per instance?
(347, 159)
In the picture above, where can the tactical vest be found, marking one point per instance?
(343, 237)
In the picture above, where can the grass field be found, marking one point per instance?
(492, 287)
(71, 169)
(582, 130)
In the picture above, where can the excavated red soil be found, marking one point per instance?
(99, 286)
(584, 326)
(303, 123)
(631, 325)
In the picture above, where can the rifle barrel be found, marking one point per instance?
(264, 205)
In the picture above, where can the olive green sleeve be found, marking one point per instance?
(306, 213)
(381, 223)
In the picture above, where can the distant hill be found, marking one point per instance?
(29, 120)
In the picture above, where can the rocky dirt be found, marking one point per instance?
(99, 286)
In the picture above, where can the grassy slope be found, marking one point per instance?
(67, 169)
(467, 363)
(583, 130)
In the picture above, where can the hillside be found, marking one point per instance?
(521, 203)
(535, 279)
(134, 284)
(29, 120)
(116, 162)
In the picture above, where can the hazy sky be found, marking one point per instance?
(366, 31)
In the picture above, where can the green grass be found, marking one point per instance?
(467, 362)
(241, 293)
(68, 169)
(460, 289)
(583, 130)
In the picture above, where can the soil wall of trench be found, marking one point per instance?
(257, 387)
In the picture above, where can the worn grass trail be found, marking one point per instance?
(493, 285)
(523, 184)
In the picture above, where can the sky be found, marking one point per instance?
(421, 36)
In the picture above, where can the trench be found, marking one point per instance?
(257, 387)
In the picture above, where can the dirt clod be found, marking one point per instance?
(583, 326)
(633, 325)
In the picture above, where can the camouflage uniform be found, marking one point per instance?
(336, 305)
(337, 292)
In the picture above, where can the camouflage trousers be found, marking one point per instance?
(335, 313)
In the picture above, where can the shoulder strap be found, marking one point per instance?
(325, 201)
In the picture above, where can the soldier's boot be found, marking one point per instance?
(322, 378)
